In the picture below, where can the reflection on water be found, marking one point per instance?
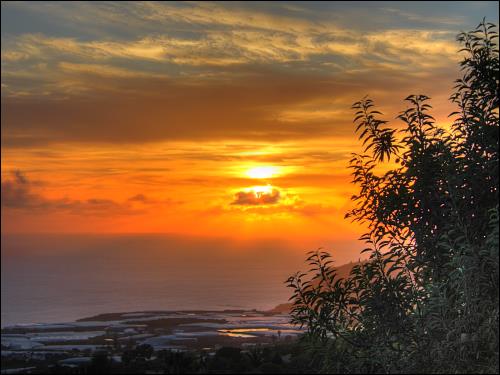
(242, 332)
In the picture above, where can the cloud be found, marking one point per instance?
(211, 71)
(237, 46)
(142, 109)
(255, 197)
(285, 204)
(213, 14)
(104, 70)
(269, 105)
(20, 193)
(426, 18)
(222, 42)
(16, 192)
(182, 39)
(138, 198)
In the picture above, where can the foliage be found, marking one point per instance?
(139, 354)
(426, 300)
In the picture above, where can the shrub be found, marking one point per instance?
(426, 300)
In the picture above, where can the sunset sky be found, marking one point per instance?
(207, 119)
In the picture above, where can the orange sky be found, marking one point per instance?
(147, 117)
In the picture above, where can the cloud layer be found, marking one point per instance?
(146, 116)
(135, 72)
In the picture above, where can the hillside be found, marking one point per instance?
(343, 271)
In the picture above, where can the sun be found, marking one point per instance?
(258, 191)
(262, 172)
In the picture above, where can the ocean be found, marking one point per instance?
(57, 278)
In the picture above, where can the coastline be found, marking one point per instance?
(71, 342)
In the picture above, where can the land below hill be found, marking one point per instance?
(33, 347)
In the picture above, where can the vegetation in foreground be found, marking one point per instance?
(427, 299)
(282, 358)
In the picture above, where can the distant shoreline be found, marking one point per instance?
(106, 317)
(161, 330)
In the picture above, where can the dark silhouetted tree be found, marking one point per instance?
(426, 300)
